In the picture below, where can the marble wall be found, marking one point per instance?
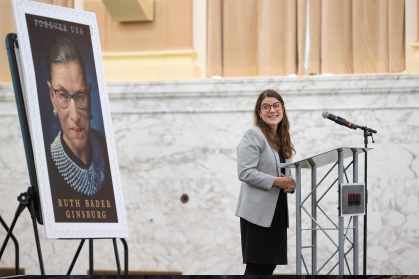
(176, 138)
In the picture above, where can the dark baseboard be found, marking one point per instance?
(135, 272)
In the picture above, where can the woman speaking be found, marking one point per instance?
(262, 205)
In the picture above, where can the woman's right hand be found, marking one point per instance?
(285, 183)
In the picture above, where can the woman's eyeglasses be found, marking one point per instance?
(277, 106)
(64, 98)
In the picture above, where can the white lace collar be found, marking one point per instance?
(84, 181)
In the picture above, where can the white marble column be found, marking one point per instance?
(199, 22)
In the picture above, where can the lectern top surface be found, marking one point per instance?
(328, 157)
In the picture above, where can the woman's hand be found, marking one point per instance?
(285, 183)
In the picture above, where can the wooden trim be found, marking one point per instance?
(10, 271)
(150, 65)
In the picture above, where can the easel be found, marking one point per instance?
(115, 247)
(26, 200)
(30, 199)
(16, 245)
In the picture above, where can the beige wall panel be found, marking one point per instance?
(7, 25)
(171, 28)
(179, 24)
(396, 33)
(315, 7)
(97, 7)
(378, 36)
(336, 37)
(64, 3)
(276, 38)
(240, 38)
(136, 36)
(370, 36)
(214, 38)
(301, 35)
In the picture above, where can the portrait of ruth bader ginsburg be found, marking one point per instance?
(77, 157)
(75, 151)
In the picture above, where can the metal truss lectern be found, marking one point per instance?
(335, 156)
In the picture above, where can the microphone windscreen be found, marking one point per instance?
(324, 114)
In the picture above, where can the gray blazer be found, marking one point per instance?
(257, 169)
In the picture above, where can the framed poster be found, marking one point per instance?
(70, 122)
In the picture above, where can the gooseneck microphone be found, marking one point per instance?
(344, 122)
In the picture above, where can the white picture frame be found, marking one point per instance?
(75, 228)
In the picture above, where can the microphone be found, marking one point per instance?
(344, 122)
(339, 120)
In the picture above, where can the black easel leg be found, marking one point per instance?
(115, 248)
(25, 200)
(16, 246)
(20, 208)
(75, 257)
(124, 242)
(90, 256)
(38, 244)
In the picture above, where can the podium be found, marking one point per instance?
(337, 157)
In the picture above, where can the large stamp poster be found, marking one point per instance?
(70, 122)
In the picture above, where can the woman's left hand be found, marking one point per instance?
(292, 187)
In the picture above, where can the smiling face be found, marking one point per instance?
(75, 122)
(272, 117)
